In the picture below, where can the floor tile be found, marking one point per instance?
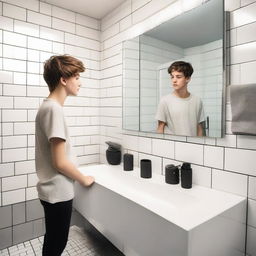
(80, 243)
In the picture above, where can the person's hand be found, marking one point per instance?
(88, 181)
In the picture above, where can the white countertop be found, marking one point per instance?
(187, 208)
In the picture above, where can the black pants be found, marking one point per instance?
(57, 222)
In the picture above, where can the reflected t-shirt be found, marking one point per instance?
(181, 115)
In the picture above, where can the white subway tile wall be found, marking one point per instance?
(13, 196)
(14, 12)
(227, 163)
(30, 32)
(156, 162)
(15, 182)
(231, 182)
(252, 188)
(45, 8)
(213, 156)
(189, 152)
(162, 148)
(145, 145)
(202, 175)
(25, 167)
(31, 193)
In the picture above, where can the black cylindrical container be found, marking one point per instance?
(186, 175)
(113, 153)
(128, 162)
(172, 174)
(145, 168)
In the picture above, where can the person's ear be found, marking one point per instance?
(63, 81)
(188, 79)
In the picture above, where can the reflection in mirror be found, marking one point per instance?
(131, 90)
(197, 37)
(180, 112)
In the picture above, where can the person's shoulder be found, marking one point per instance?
(167, 97)
(49, 103)
(50, 106)
(195, 97)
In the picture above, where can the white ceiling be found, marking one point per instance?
(93, 8)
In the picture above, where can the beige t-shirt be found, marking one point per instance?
(181, 115)
(53, 186)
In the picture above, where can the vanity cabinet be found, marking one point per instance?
(147, 217)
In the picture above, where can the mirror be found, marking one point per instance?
(197, 37)
(131, 84)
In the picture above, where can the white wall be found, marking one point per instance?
(30, 32)
(227, 163)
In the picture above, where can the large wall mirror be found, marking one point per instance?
(197, 37)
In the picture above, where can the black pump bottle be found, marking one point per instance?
(186, 175)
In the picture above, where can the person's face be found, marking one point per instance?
(73, 85)
(179, 81)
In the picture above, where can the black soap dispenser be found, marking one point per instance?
(171, 174)
(186, 175)
(113, 153)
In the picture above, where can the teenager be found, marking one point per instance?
(55, 161)
(180, 112)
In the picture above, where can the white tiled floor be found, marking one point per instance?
(79, 244)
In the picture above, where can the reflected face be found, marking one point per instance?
(73, 85)
(179, 81)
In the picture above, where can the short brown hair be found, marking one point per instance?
(59, 66)
(181, 66)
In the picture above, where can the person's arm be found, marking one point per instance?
(160, 128)
(63, 165)
(200, 130)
